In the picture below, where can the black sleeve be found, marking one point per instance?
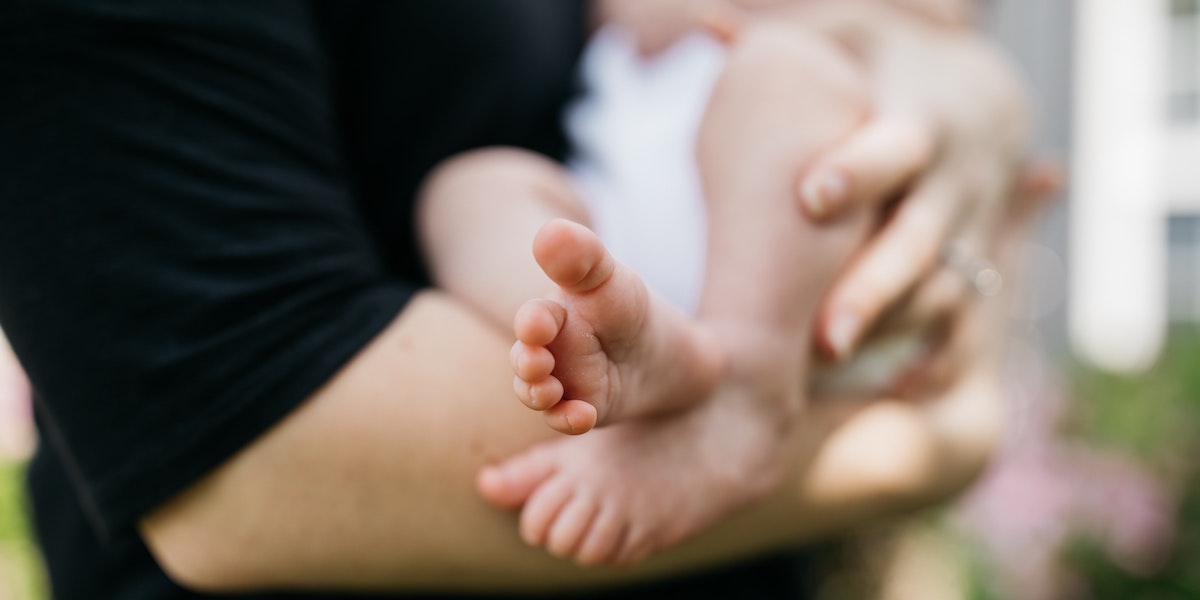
(181, 261)
(426, 80)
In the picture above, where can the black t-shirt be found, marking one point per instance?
(206, 209)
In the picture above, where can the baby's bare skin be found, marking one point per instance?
(604, 348)
(605, 352)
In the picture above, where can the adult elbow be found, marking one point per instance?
(195, 552)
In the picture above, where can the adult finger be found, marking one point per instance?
(933, 373)
(966, 274)
(1039, 182)
(871, 167)
(935, 300)
(967, 341)
(907, 248)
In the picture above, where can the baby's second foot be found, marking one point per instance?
(621, 493)
(604, 348)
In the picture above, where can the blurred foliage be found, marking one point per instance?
(20, 564)
(1154, 416)
(12, 518)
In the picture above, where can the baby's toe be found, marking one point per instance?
(572, 256)
(603, 538)
(634, 548)
(538, 396)
(541, 511)
(511, 483)
(572, 524)
(572, 417)
(531, 363)
(538, 321)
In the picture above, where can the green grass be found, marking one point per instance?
(20, 564)
(1156, 417)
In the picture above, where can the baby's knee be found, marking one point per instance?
(494, 163)
(488, 171)
(765, 54)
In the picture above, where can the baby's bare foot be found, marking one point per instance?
(624, 492)
(604, 348)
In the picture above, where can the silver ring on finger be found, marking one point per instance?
(979, 272)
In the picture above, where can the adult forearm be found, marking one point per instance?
(369, 484)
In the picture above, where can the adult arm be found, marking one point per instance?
(199, 270)
(369, 483)
(381, 475)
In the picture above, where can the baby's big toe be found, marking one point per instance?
(572, 256)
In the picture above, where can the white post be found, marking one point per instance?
(1118, 231)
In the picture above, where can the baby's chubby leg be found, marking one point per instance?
(595, 345)
(785, 96)
(621, 493)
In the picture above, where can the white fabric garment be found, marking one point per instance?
(634, 131)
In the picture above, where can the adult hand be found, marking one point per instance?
(938, 159)
(936, 431)
(964, 334)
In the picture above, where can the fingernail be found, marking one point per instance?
(843, 330)
(822, 192)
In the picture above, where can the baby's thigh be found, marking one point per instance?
(519, 179)
(784, 83)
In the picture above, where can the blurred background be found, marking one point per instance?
(1096, 493)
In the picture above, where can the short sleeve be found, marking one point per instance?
(181, 258)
